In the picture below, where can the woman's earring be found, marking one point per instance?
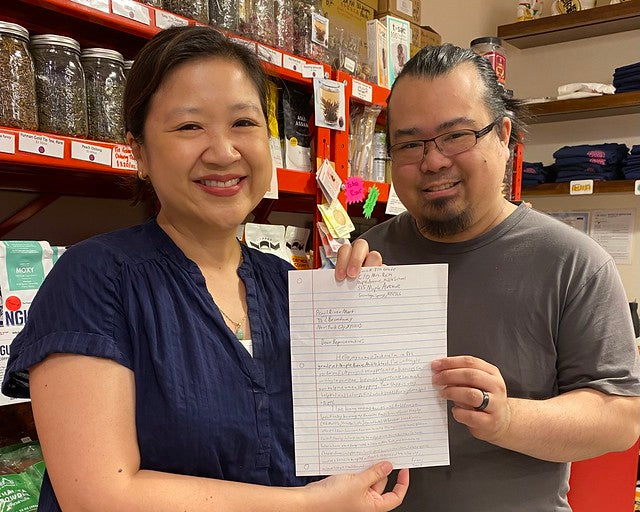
(141, 176)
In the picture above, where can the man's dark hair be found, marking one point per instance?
(434, 61)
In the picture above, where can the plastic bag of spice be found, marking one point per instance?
(21, 473)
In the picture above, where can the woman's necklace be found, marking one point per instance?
(239, 332)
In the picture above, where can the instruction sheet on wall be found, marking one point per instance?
(613, 230)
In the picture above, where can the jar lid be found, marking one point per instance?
(14, 29)
(102, 53)
(128, 64)
(53, 39)
(484, 40)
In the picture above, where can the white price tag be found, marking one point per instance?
(166, 20)
(637, 187)
(293, 63)
(349, 65)
(100, 5)
(90, 153)
(7, 143)
(312, 71)
(580, 187)
(406, 7)
(270, 55)
(122, 158)
(131, 10)
(362, 91)
(41, 145)
(250, 45)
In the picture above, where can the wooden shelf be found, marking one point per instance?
(608, 19)
(585, 108)
(599, 187)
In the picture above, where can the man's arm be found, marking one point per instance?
(579, 424)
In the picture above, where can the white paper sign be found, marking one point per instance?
(394, 206)
(100, 5)
(577, 220)
(362, 91)
(7, 143)
(272, 193)
(312, 71)
(580, 187)
(406, 7)
(90, 153)
(41, 145)
(329, 101)
(122, 158)
(270, 55)
(292, 63)
(361, 353)
(166, 20)
(131, 10)
(613, 230)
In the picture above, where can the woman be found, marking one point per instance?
(143, 396)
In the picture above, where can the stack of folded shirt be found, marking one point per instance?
(590, 162)
(627, 78)
(631, 168)
(534, 173)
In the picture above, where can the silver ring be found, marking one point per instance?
(485, 401)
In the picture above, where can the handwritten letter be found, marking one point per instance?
(361, 353)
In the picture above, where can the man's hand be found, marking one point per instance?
(351, 258)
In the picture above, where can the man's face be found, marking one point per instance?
(458, 197)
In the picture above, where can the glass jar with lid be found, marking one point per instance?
(128, 64)
(60, 85)
(195, 9)
(18, 108)
(491, 49)
(104, 75)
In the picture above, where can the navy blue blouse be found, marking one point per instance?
(204, 406)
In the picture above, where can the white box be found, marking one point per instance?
(398, 44)
(378, 54)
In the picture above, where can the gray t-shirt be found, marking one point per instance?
(542, 302)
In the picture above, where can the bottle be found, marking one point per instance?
(491, 49)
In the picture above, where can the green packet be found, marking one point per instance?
(17, 494)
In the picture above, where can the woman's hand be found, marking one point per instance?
(351, 258)
(358, 492)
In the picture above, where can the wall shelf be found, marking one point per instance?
(599, 187)
(585, 108)
(608, 19)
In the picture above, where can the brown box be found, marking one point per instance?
(352, 16)
(410, 10)
(421, 37)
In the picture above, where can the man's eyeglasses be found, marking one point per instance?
(449, 144)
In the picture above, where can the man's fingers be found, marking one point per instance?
(448, 363)
(373, 259)
(393, 498)
(342, 262)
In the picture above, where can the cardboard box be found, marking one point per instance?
(378, 56)
(398, 44)
(423, 36)
(352, 17)
(410, 10)
(371, 3)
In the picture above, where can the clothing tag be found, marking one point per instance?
(41, 145)
(270, 55)
(100, 5)
(354, 189)
(329, 181)
(166, 20)
(122, 158)
(7, 143)
(362, 91)
(580, 187)
(293, 63)
(132, 10)
(90, 153)
(312, 71)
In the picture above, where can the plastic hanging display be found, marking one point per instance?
(18, 108)
(104, 72)
(283, 16)
(60, 85)
(260, 21)
(225, 14)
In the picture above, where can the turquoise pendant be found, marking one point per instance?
(239, 333)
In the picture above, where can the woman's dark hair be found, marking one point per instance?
(160, 56)
(433, 61)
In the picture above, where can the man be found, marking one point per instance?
(542, 365)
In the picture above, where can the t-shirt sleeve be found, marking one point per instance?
(596, 344)
(77, 310)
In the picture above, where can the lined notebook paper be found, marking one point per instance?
(360, 361)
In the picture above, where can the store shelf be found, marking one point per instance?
(297, 182)
(599, 187)
(608, 19)
(585, 108)
(361, 91)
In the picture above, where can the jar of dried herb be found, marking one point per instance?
(104, 72)
(127, 67)
(18, 107)
(195, 9)
(60, 85)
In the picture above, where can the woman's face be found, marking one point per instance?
(205, 145)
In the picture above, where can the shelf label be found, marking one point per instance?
(7, 143)
(312, 71)
(293, 63)
(166, 20)
(362, 91)
(41, 145)
(349, 65)
(131, 10)
(123, 158)
(580, 187)
(100, 5)
(270, 55)
(90, 153)
(250, 45)
(637, 187)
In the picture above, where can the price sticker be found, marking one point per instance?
(100, 5)
(312, 71)
(270, 55)
(41, 145)
(292, 63)
(90, 153)
(122, 158)
(362, 91)
(131, 10)
(580, 187)
(7, 143)
(166, 20)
